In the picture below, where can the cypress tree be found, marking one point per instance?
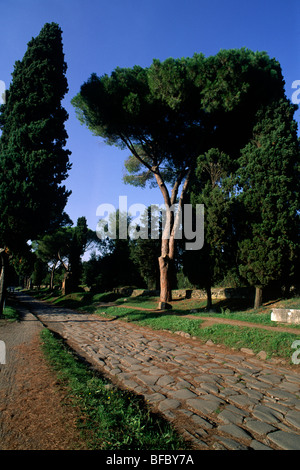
(33, 160)
(269, 179)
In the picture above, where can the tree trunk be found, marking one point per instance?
(165, 285)
(209, 301)
(67, 283)
(168, 236)
(2, 281)
(258, 297)
(51, 279)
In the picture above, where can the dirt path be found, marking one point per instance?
(34, 414)
(208, 321)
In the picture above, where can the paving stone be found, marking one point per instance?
(166, 380)
(270, 378)
(168, 404)
(231, 444)
(248, 351)
(182, 384)
(290, 387)
(131, 384)
(293, 378)
(153, 370)
(154, 397)
(206, 378)
(223, 371)
(242, 400)
(266, 414)
(228, 417)
(148, 379)
(234, 358)
(256, 384)
(209, 387)
(274, 405)
(182, 394)
(256, 445)
(201, 422)
(259, 427)
(234, 431)
(253, 394)
(204, 406)
(285, 440)
(129, 361)
(281, 395)
(236, 410)
(293, 418)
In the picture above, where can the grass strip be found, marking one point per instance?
(275, 344)
(10, 314)
(111, 418)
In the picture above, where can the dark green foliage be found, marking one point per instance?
(172, 112)
(269, 178)
(33, 161)
(65, 247)
(114, 266)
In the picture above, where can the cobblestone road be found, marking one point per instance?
(218, 399)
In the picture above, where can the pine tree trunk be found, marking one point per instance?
(165, 274)
(258, 297)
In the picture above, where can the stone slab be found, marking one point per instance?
(168, 404)
(259, 427)
(293, 418)
(285, 440)
(204, 406)
(234, 431)
(285, 315)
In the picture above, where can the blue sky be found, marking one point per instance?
(100, 35)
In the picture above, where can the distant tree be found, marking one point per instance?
(213, 188)
(33, 161)
(52, 249)
(65, 246)
(116, 268)
(39, 273)
(80, 238)
(269, 180)
(146, 251)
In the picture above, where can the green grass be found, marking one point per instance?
(11, 314)
(111, 419)
(275, 344)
